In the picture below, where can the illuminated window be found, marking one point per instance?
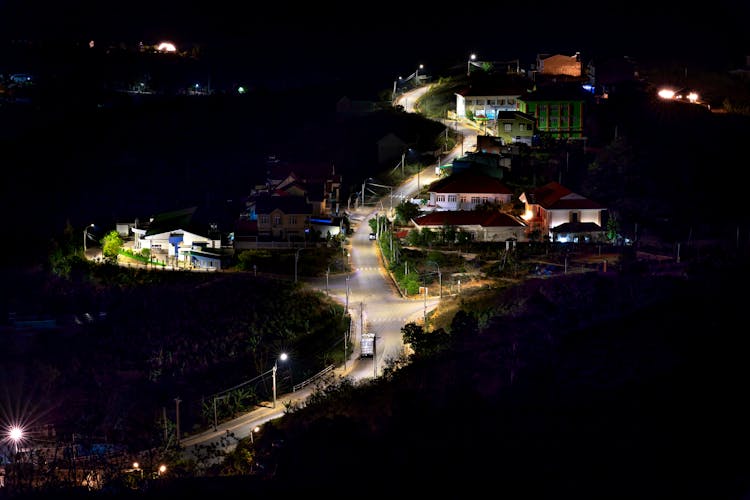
(293, 220)
(264, 219)
(451, 198)
(276, 220)
(441, 197)
(508, 127)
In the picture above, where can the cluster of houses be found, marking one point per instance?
(298, 203)
(301, 202)
(549, 99)
(482, 207)
(303, 209)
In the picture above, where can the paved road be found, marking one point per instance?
(374, 302)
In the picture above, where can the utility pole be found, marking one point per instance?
(177, 418)
(375, 356)
(346, 311)
(361, 318)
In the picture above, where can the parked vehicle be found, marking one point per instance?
(368, 345)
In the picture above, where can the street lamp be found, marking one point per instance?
(346, 309)
(472, 57)
(15, 434)
(253, 431)
(85, 237)
(282, 357)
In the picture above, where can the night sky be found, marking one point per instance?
(345, 38)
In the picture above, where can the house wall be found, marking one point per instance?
(562, 119)
(479, 233)
(159, 243)
(465, 201)
(520, 131)
(279, 224)
(560, 65)
(557, 217)
(485, 106)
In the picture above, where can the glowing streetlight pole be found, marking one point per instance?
(85, 236)
(282, 357)
(468, 64)
(16, 435)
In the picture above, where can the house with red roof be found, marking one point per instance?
(481, 225)
(557, 213)
(467, 190)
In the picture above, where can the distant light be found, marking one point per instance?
(666, 93)
(166, 47)
(240, 90)
(692, 97)
(91, 44)
(588, 88)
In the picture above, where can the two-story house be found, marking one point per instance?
(483, 101)
(555, 212)
(515, 126)
(467, 190)
(558, 109)
(281, 217)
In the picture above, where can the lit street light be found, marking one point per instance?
(282, 357)
(473, 57)
(253, 431)
(85, 237)
(15, 434)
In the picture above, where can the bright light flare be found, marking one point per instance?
(15, 434)
(692, 97)
(166, 47)
(666, 93)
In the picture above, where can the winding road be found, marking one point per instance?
(374, 302)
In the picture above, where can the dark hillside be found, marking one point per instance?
(594, 388)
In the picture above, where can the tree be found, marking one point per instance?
(111, 245)
(406, 211)
(424, 343)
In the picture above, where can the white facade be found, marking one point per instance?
(486, 106)
(160, 243)
(465, 201)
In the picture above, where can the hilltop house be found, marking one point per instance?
(558, 109)
(559, 64)
(555, 212)
(480, 101)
